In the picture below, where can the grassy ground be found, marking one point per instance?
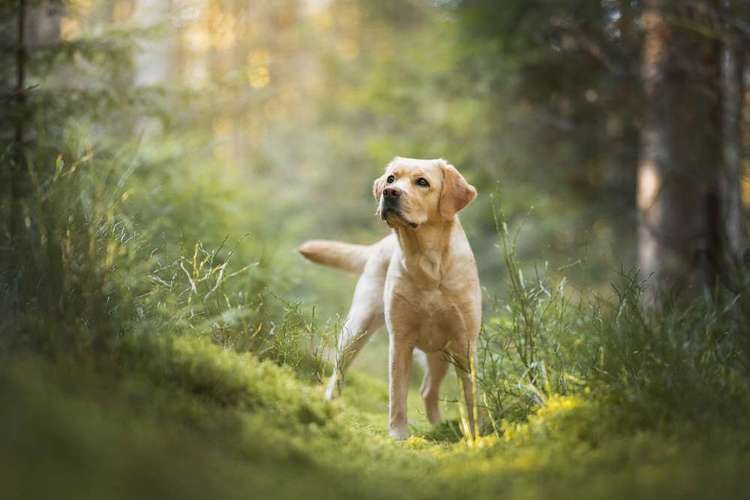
(189, 420)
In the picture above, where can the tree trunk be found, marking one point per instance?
(36, 24)
(152, 64)
(18, 167)
(679, 203)
(732, 68)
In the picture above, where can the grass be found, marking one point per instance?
(152, 366)
(188, 419)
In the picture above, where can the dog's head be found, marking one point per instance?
(413, 192)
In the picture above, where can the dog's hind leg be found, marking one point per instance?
(365, 316)
(437, 367)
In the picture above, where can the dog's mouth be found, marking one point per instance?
(393, 216)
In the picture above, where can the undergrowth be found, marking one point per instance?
(136, 366)
(187, 418)
(105, 263)
(684, 362)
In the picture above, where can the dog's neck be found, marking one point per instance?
(425, 249)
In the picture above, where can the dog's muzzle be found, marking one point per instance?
(391, 203)
(390, 207)
(391, 213)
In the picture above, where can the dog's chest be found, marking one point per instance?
(433, 319)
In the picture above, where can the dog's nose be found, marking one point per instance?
(391, 192)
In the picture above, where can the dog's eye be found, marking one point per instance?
(423, 182)
(390, 179)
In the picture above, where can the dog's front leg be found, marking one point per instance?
(400, 356)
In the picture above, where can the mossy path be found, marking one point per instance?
(187, 419)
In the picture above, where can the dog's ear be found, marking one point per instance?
(377, 187)
(456, 192)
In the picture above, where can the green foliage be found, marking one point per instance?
(75, 249)
(674, 364)
(108, 264)
(678, 363)
(525, 346)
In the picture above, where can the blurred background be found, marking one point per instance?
(263, 124)
(296, 106)
(162, 160)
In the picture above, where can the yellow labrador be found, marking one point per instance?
(421, 281)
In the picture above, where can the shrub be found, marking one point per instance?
(680, 362)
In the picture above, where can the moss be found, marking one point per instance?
(189, 419)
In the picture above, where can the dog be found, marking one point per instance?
(421, 281)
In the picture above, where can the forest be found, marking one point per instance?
(161, 162)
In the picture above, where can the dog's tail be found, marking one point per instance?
(346, 256)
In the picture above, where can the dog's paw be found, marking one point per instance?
(399, 433)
